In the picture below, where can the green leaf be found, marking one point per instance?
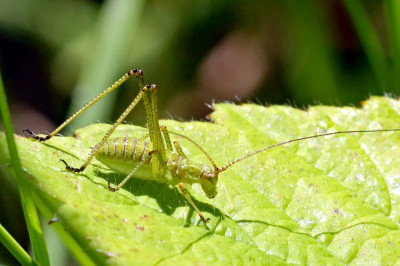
(326, 201)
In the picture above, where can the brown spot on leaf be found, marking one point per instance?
(141, 228)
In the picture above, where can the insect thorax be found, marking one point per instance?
(190, 172)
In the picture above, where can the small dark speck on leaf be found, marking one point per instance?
(141, 228)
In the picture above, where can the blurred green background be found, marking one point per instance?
(57, 55)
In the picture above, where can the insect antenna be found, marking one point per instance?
(226, 166)
(199, 147)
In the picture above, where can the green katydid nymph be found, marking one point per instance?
(154, 155)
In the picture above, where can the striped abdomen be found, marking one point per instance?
(123, 153)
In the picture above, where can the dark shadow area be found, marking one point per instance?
(167, 197)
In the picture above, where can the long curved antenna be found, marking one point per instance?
(223, 168)
(199, 147)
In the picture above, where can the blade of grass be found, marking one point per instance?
(12, 245)
(369, 41)
(118, 20)
(80, 255)
(29, 209)
(311, 64)
(392, 10)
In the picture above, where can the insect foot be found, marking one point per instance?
(113, 189)
(34, 136)
(72, 169)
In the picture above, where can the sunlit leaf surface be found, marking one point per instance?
(332, 200)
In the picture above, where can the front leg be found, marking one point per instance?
(182, 189)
